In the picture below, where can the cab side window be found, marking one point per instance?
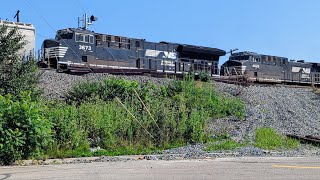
(137, 44)
(85, 38)
(91, 39)
(79, 38)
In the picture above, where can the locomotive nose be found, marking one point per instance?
(53, 49)
(53, 52)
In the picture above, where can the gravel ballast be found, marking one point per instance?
(55, 85)
(288, 110)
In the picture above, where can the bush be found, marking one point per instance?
(24, 131)
(105, 90)
(268, 138)
(204, 76)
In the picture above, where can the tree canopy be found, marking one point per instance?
(18, 72)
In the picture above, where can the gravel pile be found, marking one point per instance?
(55, 85)
(288, 110)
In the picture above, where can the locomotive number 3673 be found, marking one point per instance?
(85, 48)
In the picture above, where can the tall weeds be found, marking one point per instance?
(175, 113)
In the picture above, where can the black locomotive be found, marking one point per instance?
(266, 68)
(79, 49)
(86, 50)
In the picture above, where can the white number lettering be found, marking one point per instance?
(85, 48)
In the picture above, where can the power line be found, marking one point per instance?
(43, 36)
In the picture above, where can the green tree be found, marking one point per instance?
(18, 72)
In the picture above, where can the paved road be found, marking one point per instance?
(225, 168)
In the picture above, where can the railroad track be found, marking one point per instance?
(145, 72)
(308, 139)
(240, 81)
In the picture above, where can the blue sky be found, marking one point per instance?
(288, 28)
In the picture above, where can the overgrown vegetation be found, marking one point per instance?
(269, 139)
(179, 113)
(110, 115)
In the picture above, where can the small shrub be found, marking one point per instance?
(204, 76)
(83, 92)
(105, 90)
(268, 138)
(24, 131)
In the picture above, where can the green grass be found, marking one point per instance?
(269, 139)
(224, 142)
(118, 151)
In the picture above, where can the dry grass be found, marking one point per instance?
(316, 89)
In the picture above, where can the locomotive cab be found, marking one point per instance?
(71, 47)
(236, 65)
(54, 50)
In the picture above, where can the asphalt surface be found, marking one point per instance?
(224, 168)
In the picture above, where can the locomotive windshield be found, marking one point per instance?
(86, 38)
(240, 58)
(64, 36)
(233, 63)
